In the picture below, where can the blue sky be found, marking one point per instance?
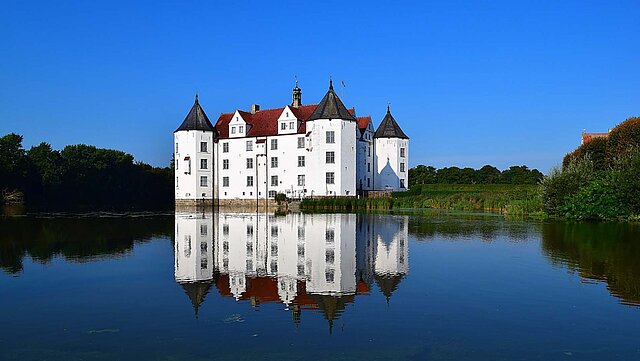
(472, 83)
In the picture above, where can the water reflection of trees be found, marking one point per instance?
(606, 252)
(471, 227)
(76, 239)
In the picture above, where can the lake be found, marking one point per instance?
(233, 286)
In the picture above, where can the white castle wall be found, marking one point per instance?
(187, 157)
(389, 174)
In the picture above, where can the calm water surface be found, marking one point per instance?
(207, 286)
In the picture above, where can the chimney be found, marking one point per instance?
(255, 108)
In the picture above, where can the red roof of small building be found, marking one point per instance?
(363, 122)
(264, 122)
(588, 136)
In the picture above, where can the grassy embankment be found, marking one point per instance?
(513, 200)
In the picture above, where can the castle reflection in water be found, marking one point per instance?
(305, 261)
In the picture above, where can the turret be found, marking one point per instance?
(392, 155)
(193, 154)
(296, 95)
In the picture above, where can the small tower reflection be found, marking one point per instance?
(193, 255)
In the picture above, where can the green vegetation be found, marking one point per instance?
(486, 175)
(80, 176)
(599, 180)
(513, 200)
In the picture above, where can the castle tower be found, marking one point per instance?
(333, 148)
(296, 95)
(193, 156)
(391, 155)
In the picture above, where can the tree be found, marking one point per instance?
(13, 162)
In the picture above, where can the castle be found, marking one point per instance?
(299, 150)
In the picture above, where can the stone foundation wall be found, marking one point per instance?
(235, 205)
(378, 194)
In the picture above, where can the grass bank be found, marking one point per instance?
(514, 200)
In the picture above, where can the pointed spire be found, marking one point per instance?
(389, 128)
(196, 119)
(331, 107)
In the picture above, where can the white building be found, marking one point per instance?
(299, 150)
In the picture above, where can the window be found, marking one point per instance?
(203, 232)
(401, 183)
(283, 126)
(368, 182)
(203, 245)
(368, 167)
(203, 164)
(300, 237)
(331, 136)
(225, 147)
(291, 125)
(177, 147)
(203, 263)
(301, 161)
(203, 181)
(249, 163)
(225, 164)
(203, 147)
(300, 142)
(274, 231)
(301, 180)
(241, 129)
(330, 236)
(330, 178)
(402, 152)
(177, 182)
(329, 256)
(249, 230)
(233, 130)
(249, 249)
(274, 250)
(274, 144)
(331, 157)
(225, 181)
(274, 180)
(274, 162)
(225, 229)
(369, 147)
(272, 194)
(402, 167)
(249, 145)
(329, 275)
(250, 181)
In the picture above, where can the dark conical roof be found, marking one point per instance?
(196, 292)
(196, 119)
(331, 107)
(331, 307)
(389, 128)
(388, 283)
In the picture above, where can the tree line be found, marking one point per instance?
(488, 174)
(80, 176)
(600, 179)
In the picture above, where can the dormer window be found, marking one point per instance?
(233, 130)
(241, 129)
(287, 114)
(283, 126)
(291, 125)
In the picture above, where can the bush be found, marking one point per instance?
(561, 185)
(594, 150)
(281, 198)
(598, 200)
(623, 138)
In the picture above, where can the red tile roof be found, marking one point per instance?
(588, 136)
(264, 122)
(363, 122)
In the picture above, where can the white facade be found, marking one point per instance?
(301, 151)
(392, 159)
(193, 157)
